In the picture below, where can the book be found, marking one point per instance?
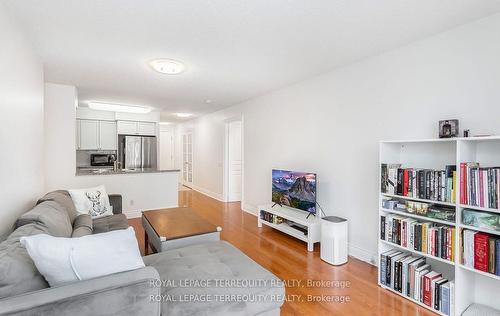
(497, 260)
(427, 293)
(418, 274)
(437, 299)
(491, 254)
(468, 248)
(444, 306)
(481, 252)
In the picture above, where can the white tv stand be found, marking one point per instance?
(312, 223)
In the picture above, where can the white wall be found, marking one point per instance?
(140, 191)
(21, 124)
(332, 124)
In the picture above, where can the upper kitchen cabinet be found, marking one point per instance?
(107, 135)
(96, 135)
(89, 134)
(136, 128)
(146, 128)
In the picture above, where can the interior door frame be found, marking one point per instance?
(225, 166)
(172, 148)
(184, 182)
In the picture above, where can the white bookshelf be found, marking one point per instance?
(471, 286)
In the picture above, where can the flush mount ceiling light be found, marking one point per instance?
(119, 107)
(183, 115)
(167, 66)
(165, 123)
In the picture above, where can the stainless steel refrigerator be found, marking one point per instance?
(137, 152)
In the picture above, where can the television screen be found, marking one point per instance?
(295, 189)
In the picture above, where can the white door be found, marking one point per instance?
(166, 150)
(234, 166)
(107, 135)
(89, 134)
(187, 159)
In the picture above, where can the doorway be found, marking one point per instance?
(234, 161)
(166, 150)
(187, 159)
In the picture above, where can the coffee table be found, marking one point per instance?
(172, 228)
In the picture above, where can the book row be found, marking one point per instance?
(481, 251)
(479, 186)
(413, 277)
(271, 218)
(430, 238)
(437, 185)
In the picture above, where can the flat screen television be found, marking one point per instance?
(295, 189)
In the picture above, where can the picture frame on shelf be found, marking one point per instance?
(449, 129)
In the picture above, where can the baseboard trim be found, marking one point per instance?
(362, 254)
(250, 208)
(133, 213)
(138, 213)
(354, 251)
(211, 194)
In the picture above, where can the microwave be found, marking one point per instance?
(102, 159)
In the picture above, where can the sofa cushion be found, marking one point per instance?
(63, 198)
(219, 269)
(109, 223)
(50, 214)
(82, 226)
(18, 273)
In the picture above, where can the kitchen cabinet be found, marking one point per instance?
(89, 134)
(107, 135)
(96, 135)
(136, 128)
(127, 127)
(146, 128)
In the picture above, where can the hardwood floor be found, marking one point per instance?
(289, 259)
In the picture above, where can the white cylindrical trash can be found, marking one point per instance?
(333, 240)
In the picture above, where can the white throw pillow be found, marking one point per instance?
(92, 201)
(64, 260)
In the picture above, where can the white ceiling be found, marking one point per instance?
(234, 49)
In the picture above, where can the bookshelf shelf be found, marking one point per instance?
(407, 198)
(479, 208)
(471, 286)
(424, 218)
(411, 299)
(417, 252)
(486, 274)
(478, 229)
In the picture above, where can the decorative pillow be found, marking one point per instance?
(66, 260)
(92, 201)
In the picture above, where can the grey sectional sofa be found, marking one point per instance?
(207, 279)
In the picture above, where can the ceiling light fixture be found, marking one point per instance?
(208, 101)
(183, 115)
(119, 107)
(167, 66)
(165, 123)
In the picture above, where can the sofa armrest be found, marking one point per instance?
(116, 202)
(126, 293)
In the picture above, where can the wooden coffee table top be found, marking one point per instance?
(179, 222)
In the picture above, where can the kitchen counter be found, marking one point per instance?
(109, 171)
